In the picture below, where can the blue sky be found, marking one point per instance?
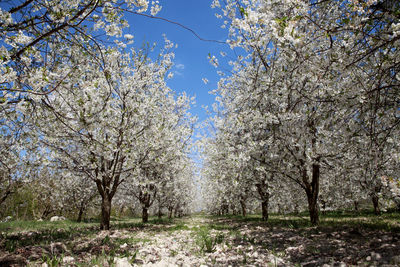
(191, 56)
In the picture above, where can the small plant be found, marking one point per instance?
(132, 258)
(207, 242)
(249, 239)
(11, 245)
(103, 259)
(106, 240)
(52, 261)
(173, 253)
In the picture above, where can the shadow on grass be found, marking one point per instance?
(10, 242)
(364, 239)
(18, 234)
(389, 221)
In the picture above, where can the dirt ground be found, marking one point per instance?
(205, 241)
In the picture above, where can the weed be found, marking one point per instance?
(173, 253)
(103, 259)
(52, 261)
(249, 239)
(132, 257)
(207, 242)
(178, 227)
(106, 241)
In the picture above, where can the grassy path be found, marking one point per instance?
(205, 241)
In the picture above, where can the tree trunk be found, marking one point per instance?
(105, 212)
(243, 206)
(80, 214)
(145, 214)
(375, 202)
(264, 209)
(313, 209)
(82, 208)
(323, 204)
(262, 189)
(159, 212)
(356, 205)
(121, 211)
(312, 191)
(170, 209)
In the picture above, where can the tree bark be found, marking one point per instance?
(264, 210)
(313, 210)
(82, 209)
(312, 191)
(170, 210)
(356, 205)
(262, 189)
(159, 212)
(145, 214)
(375, 202)
(80, 215)
(243, 206)
(105, 212)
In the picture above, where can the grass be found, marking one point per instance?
(22, 226)
(130, 240)
(205, 239)
(15, 234)
(389, 221)
(208, 242)
(116, 223)
(12, 241)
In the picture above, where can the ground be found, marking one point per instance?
(206, 241)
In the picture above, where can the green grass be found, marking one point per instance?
(11, 241)
(15, 234)
(22, 226)
(130, 241)
(389, 221)
(206, 241)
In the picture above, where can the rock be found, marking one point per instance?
(376, 256)
(355, 231)
(40, 220)
(7, 219)
(57, 248)
(395, 260)
(68, 259)
(57, 218)
(44, 265)
(34, 257)
(122, 262)
(12, 260)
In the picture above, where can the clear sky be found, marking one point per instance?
(191, 56)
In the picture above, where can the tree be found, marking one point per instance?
(33, 35)
(97, 123)
(302, 81)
